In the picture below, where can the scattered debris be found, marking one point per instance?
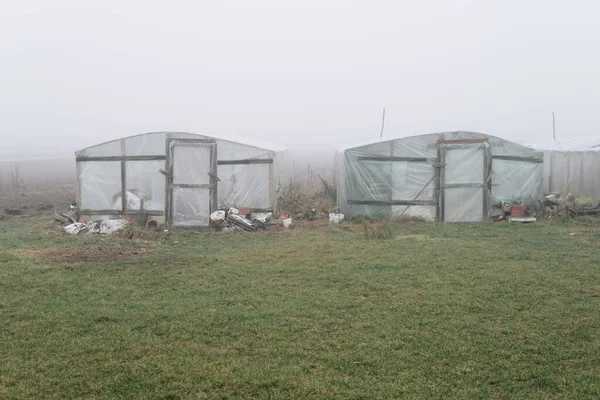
(76, 228)
(336, 218)
(241, 218)
(152, 224)
(517, 211)
(262, 217)
(106, 227)
(218, 217)
(66, 218)
(241, 222)
(522, 219)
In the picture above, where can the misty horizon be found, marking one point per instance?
(311, 76)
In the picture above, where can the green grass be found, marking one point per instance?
(435, 311)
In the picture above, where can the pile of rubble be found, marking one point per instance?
(231, 218)
(71, 225)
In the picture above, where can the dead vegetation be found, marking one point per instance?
(308, 202)
(377, 230)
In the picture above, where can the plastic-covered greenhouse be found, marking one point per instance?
(571, 165)
(179, 178)
(448, 177)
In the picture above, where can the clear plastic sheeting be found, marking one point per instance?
(447, 176)
(191, 207)
(510, 177)
(246, 175)
(143, 179)
(571, 165)
(464, 164)
(463, 205)
(245, 185)
(99, 185)
(191, 164)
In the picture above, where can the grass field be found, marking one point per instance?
(435, 311)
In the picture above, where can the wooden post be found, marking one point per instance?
(123, 178)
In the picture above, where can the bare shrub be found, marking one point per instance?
(311, 202)
(17, 184)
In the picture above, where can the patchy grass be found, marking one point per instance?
(436, 311)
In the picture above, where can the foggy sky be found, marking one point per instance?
(75, 73)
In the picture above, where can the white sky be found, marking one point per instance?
(74, 73)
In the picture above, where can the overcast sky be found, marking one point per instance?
(74, 73)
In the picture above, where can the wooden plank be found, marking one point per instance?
(78, 184)
(156, 213)
(442, 201)
(393, 202)
(486, 190)
(192, 186)
(517, 158)
(245, 161)
(438, 183)
(462, 141)
(213, 193)
(122, 158)
(168, 179)
(123, 178)
(463, 185)
(393, 159)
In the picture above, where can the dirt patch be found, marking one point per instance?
(416, 237)
(57, 256)
(37, 201)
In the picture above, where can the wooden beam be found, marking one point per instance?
(463, 185)
(155, 213)
(518, 158)
(123, 177)
(393, 202)
(191, 186)
(246, 161)
(393, 159)
(122, 158)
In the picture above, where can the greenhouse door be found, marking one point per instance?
(192, 181)
(464, 191)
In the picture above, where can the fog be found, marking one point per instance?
(309, 74)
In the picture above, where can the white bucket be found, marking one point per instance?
(286, 222)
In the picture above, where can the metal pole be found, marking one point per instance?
(553, 127)
(382, 123)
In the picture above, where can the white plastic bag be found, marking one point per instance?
(336, 218)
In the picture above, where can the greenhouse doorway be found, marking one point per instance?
(464, 183)
(191, 182)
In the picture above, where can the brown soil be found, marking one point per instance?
(37, 201)
(57, 256)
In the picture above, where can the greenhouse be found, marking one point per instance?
(177, 178)
(447, 177)
(571, 165)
